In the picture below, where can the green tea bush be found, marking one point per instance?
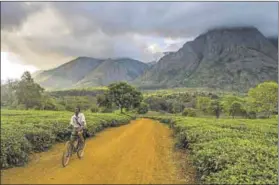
(23, 132)
(14, 149)
(226, 151)
(40, 139)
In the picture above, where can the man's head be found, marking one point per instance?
(77, 110)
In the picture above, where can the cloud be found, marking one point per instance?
(17, 68)
(46, 34)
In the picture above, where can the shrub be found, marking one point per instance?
(60, 107)
(251, 115)
(21, 107)
(177, 107)
(70, 108)
(94, 108)
(190, 112)
(106, 110)
(143, 108)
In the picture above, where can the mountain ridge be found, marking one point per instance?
(225, 58)
(78, 72)
(214, 59)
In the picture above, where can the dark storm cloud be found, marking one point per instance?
(120, 29)
(13, 14)
(181, 19)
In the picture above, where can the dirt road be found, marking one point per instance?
(138, 153)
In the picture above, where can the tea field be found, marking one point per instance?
(224, 151)
(24, 132)
(228, 151)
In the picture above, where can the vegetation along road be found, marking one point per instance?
(139, 152)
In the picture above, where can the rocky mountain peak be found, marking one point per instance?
(215, 57)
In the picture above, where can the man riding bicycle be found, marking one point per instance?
(78, 124)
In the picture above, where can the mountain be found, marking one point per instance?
(37, 72)
(68, 74)
(86, 71)
(150, 64)
(232, 59)
(225, 58)
(274, 41)
(109, 71)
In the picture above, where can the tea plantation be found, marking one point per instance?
(23, 132)
(229, 151)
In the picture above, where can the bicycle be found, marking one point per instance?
(77, 147)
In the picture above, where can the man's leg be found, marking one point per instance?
(72, 140)
(80, 135)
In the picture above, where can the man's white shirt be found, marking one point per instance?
(81, 120)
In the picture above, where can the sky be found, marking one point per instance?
(43, 35)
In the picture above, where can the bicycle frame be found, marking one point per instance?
(77, 146)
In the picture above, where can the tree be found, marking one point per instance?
(227, 102)
(48, 103)
(157, 103)
(28, 92)
(264, 97)
(103, 100)
(123, 95)
(215, 108)
(235, 108)
(203, 103)
(143, 108)
(8, 96)
(177, 107)
(249, 108)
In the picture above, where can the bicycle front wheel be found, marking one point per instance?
(80, 151)
(66, 154)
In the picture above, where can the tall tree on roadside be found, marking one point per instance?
(28, 92)
(265, 97)
(123, 95)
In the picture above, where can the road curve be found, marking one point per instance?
(137, 153)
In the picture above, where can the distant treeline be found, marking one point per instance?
(77, 92)
(260, 101)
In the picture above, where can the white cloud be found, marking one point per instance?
(46, 23)
(12, 68)
(154, 48)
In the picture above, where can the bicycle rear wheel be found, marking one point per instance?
(66, 154)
